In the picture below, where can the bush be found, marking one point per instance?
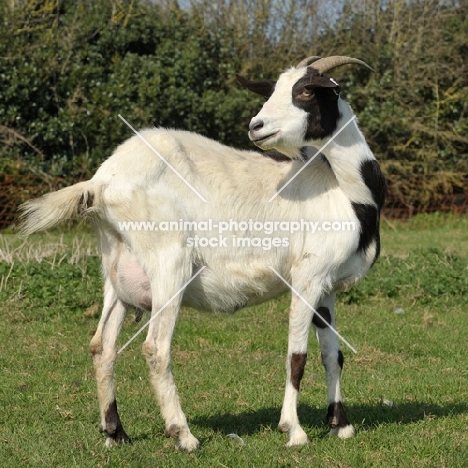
(70, 72)
(68, 68)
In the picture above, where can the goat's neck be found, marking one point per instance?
(346, 151)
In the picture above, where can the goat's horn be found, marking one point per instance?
(307, 61)
(328, 63)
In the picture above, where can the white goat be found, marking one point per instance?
(148, 270)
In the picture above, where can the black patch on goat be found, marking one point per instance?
(322, 313)
(336, 416)
(298, 362)
(321, 105)
(340, 359)
(374, 179)
(114, 426)
(368, 216)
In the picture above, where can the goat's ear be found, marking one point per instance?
(323, 82)
(263, 87)
(320, 82)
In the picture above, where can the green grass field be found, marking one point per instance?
(406, 389)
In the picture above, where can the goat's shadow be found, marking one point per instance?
(364, 417)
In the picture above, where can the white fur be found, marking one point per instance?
(343, 432)
(144, 269)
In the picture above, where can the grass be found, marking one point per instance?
(405, 390)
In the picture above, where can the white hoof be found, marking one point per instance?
(297, 438)
(188, 443)
(183, 437)
(345, 432)
(109, 443)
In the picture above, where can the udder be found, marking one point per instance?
(130, 281)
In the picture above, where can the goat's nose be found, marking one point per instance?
(256, 125)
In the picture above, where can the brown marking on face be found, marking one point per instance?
(318, 96)
(298, 362)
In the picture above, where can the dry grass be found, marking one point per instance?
(50, 248)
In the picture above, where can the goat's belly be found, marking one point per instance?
(224, 300)
(222, 288)
(357, 266)
(213, 290)
(228, 291)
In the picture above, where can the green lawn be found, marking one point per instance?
(406, 389)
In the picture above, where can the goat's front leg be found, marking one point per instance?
(333, 360)
(103, 348)
(300, 317)
(167, 298)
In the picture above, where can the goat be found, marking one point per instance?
(160, 270)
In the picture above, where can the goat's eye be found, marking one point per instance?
(306, 93)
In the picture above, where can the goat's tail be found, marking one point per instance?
(55, 207)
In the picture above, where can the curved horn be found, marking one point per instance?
(328, 63)
(307, 61)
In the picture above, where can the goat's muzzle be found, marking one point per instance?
(256, 133)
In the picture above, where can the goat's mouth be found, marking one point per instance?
(261, 140)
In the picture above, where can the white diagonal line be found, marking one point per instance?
(311, 159)
(161, 309)
(148, 144)
(314, 311)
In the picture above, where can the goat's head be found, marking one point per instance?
(302, 106)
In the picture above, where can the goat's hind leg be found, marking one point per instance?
(166, 283)
(332, 359)
(103, 348)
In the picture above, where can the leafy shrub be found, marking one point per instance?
(68, 76)
(424, 276)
